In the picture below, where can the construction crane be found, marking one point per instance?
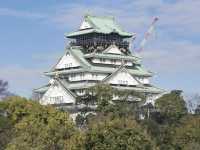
(147, 34)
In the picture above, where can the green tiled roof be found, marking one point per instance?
(88, 67)
(139, 71)
(103, 24)
(71, 86)
(42, 89)
(65, 86)
(147, 89)
(78, 54)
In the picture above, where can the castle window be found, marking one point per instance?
(68, 65)
(122, 81)
(113, 61)
(82, 75)
(81, 91)
(56, 99)
(94, 75)
(102, 60)
(73, 75)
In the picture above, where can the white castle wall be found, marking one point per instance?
(143, 80)
(56, 95)
(86, 76)
(123, 78)
(111, 61)
(113, 50)
(67, 61)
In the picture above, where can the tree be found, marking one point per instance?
(102, 96)
(3, 89)
(197, 110)
(96, 100)
(36, 126)
(171, 106)
(161, 125)
(117, 134)
(5, 131)
(187, 135)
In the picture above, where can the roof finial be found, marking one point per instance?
(88, 13)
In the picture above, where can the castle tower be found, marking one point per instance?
(98, 52)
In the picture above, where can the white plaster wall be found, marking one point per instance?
(128, 63)
(56, 91)
(109, 61)
(143, 80)
(87, 76)
(80, 92)
(123, 78)
(146, 81)
(151, 98)
(67, 61)
(114, 50)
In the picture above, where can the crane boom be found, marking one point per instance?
(147, 34)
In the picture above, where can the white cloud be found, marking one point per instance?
(21, 14)
(174, 56)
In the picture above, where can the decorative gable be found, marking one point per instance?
(122, 77)
(67, 61)
(85, 25)
(113, 49)
(56, 94)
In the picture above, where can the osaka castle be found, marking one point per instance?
(98, 52)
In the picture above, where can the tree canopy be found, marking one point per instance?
(25, 124)
(4, 89)
(35, 126)
(117, 134)
(171, 106)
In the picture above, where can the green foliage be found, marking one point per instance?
(3, 89)
(36, 126)
(117, 134)
(171, 106)
(197, 110)
(25, 124)
(5, 131)
(178, 130)
(188, 133)
(102, 94)
(17, 108)
(76, 142)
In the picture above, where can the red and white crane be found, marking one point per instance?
(147, 34)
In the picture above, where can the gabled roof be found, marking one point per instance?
(77, 54)
(139, 71)
(146, 89)
(121, 68)
(64, 86)
(42, 89)
(88, 67)
(101, 24)
(115, 72)
(113, 49)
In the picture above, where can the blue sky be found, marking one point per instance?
(32, 38)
